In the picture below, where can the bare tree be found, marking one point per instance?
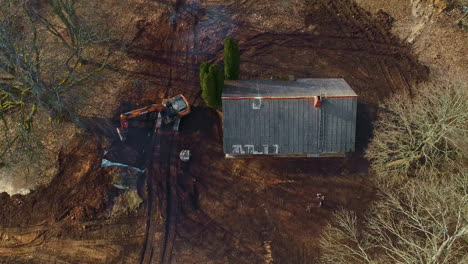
(44, 52)
(417, 136)
(43, 70)
(344, 242)
(422, 222)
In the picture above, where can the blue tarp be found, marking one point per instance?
(107, 163)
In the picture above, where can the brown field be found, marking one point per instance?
(212, 209)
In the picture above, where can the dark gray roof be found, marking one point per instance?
(276, 88)
(292, 126)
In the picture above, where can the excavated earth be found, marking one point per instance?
(230, 211)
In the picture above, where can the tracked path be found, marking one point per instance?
(161, 175)
(171, 201)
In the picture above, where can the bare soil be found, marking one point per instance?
(228, 211)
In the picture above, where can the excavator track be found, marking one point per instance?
(171, 209)
(161, 175)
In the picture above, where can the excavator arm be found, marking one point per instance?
(122, 131)
(138, 112)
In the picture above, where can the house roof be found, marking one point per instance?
(291, 126)
(300, 88)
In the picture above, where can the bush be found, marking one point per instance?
(219, 80)
(212, 83)
(204, 67)
(231, 59)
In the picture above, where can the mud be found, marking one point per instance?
(228, 211)
(79, 182)
(235, 207)
(54, 224)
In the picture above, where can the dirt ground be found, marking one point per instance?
(231, 211)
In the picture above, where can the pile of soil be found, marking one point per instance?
(79, 191)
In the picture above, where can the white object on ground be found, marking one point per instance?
(121, 187)
(185, 155)
(107, 163)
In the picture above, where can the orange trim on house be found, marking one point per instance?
(287, 98)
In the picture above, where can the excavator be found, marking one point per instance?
(169, 110)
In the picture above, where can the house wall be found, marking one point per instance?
(289, 126)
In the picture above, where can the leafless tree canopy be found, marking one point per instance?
(44, 50)
(422, 219)
(419, 135)
(422, 222)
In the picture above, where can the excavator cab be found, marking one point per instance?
(176, 107)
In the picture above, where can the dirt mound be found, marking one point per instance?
(68, 221)
(79, 191)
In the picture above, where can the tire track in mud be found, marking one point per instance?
(151, 221)
(395, 78)
(161, 176)
(171, 47)
(345, 33)
(168, 203)
(57, 240)
(171, 201)
(387, 71)
(217, 241)
(168, 56)
(152, 201)
(379, 39)
(303, 40)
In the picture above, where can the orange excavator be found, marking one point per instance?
(170, 110)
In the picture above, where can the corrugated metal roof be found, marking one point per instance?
(293, 126)
(286, 89)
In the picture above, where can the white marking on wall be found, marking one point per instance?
(276, 148)
(323, 92)
(237, 149)
(250, 149)
(257, 103)
(265, 149)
